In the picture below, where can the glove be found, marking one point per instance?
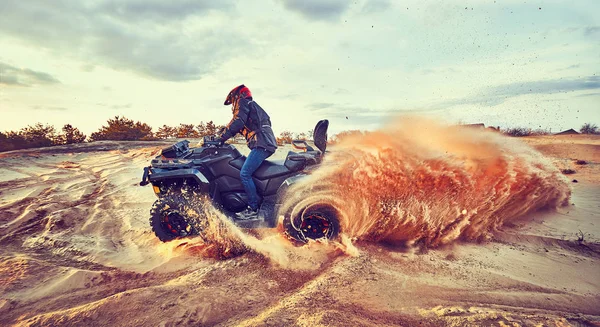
(221, 139)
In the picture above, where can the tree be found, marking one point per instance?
(12, 141)
(201, 129)
(588, 128)
(309, 134)
(284, 138)
(165, 132)
(211, 128)
(40, 135)
(144, 131)
(123, 129)
(517, 131)
(187, 131)
(71, 135)
(5, 144)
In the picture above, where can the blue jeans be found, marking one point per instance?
(253, 161)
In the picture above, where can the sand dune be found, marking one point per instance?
(76, 249)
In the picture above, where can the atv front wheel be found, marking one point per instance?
(316, 222)
(169, 219)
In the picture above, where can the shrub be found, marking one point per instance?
(309, 135)
(210, 128)
(71, 135)
(123, 129)
(187, 131)
(7, 142)
(284, 138)
(39, 135)
(166, 132)
(540, 131)
(517, 131)
(201, 129)
(588, 128)
(17, 141)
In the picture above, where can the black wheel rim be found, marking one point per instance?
(316, 226)
(175, 223)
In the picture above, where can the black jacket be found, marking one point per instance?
(254, 123)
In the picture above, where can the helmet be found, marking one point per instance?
(240, 91)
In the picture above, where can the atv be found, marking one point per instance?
(213, 170)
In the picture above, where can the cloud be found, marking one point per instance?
(556, 85)
(49, 108)
(499, 94)
(594, 94)
(439, 71)
(352, 114)
(320, 106)
(88, 68)
(591, 30)
(574, 66)
(341, 91)
(123, 106)
(114, 106)
(10, 75)
(151, 38)
(318, 9)
(374, 6)
(549, 86)
(159, 9)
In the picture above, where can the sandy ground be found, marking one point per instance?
(76, 249)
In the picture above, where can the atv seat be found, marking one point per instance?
(297, 161)
(274, 168)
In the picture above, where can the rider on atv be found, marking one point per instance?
(254, 124)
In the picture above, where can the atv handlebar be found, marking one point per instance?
(212, 141)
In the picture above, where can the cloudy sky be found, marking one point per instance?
(358, 63)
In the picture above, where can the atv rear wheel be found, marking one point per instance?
(168, 218)
(316, 222)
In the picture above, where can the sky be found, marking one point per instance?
(357, 63)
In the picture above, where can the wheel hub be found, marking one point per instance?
(315, 226)
(175, 223)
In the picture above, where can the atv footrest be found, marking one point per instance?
(266, 211)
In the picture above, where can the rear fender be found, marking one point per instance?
(281, 193)
(282, 190)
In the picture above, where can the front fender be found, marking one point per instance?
(162, 174)
(193, 175)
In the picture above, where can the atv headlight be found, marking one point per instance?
(156, 189)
